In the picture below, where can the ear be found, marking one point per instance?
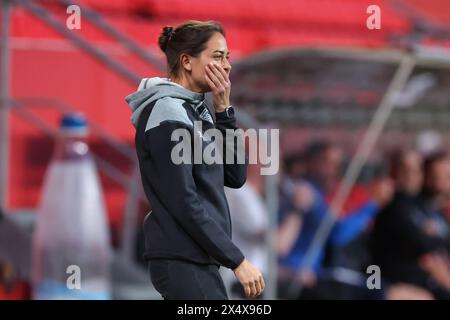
(185, 61)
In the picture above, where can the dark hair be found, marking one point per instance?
(189, 38)
(433, 158)
(292, 159)
(316, 149)
(428, 165)
(396, 159)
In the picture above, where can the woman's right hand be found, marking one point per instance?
(250, 278)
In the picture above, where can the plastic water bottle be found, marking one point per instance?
(71, 245)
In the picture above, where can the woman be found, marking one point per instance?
(187, 234)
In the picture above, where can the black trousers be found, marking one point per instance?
(182, 280)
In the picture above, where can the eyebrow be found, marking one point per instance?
(221, 51)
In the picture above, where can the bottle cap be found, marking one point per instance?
(74, 123)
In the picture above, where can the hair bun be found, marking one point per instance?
(167, 30)
(165, 37)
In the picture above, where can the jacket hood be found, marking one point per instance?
(152, 89)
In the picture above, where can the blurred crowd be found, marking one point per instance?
(391, 239)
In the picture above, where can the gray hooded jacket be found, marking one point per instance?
(190, 218)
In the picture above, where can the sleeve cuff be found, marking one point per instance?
(237, 262)
(227, 114)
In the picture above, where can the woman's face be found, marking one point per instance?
(217, 52)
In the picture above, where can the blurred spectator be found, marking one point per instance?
(411, 237)
(406, 172)
(296, 197)
(323, 173)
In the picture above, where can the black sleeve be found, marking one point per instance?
(177, 190)
(410, 233)
(235, 173)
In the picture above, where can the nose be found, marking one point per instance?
(226, 66)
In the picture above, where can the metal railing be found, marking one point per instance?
(116, 34)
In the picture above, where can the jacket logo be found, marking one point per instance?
(206, 116)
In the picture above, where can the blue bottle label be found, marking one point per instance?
(54, 290)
